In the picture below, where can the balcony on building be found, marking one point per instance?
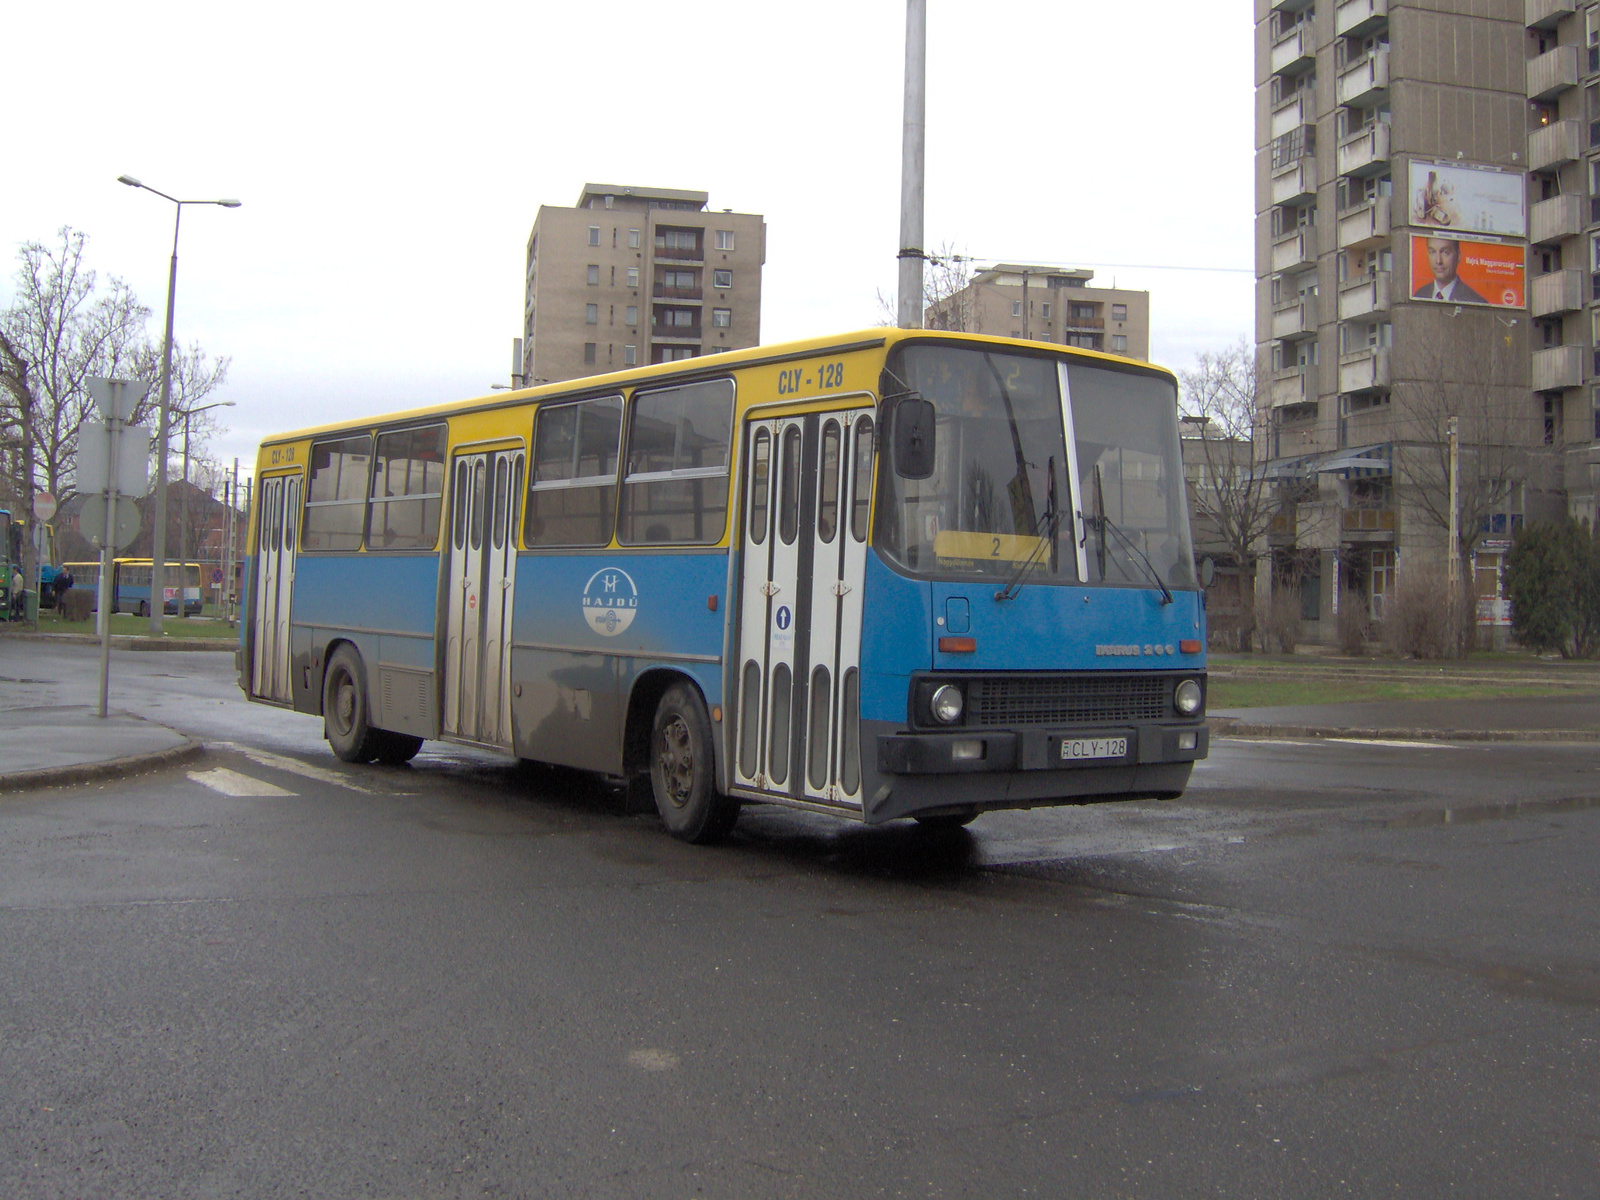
(1294, 166)
(1295, 318)
(1294, 250)
(1289, 115)
(675, 333)
(1557, 292)
(1283, 526)
(1353, 18)
(1555, 219)
(1552, 73)
(1295, 51)
(1365, 82)
(662, 292)
(1071, 322)
(1366, 152)
(1557, 367)
(1557, 143)
(1369, 294)
(1365, 225)
(1291, 385)
(1547, 14)
(1364, 370)
(1367, 524)
(1291, 5)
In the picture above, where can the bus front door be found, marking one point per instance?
(806, 499)
(484, 516)
(275, 543)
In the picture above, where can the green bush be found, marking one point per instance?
(1553, 582)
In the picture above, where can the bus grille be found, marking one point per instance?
(1068, 700)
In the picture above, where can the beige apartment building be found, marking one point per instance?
(1048, 304)
(1421, 202)
(635, 275)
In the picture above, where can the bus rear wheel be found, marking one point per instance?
(395, 749)
(947, 820)
(144, 608)
(344, 708)
(683, 772)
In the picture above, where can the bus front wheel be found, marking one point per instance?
(344, 708)
(682, 772)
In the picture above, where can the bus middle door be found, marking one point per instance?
(275, 546)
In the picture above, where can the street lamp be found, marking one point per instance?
(158, 556)
(183, 509)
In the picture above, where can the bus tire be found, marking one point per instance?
(682, 771)
(344, 708)
(144, 608)
(396, 749)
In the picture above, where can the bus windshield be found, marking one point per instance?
(1003, 502)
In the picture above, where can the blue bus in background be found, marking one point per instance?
(891, 574)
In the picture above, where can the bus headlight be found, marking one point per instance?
(1187, 696)
(947, 703)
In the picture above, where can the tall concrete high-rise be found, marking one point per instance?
(635, 275)
(1047, 304)
(1418, 254)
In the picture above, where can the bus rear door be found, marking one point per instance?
(276, 536)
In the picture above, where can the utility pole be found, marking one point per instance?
(1027, 309)
(1454, 569)
(913, 140)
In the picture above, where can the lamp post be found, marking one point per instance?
(158, 556)
(183, 508)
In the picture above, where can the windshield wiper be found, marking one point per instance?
(1050, 519)
(1106, 525)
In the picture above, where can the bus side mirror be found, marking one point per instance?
(913, 438)
(1208, 571)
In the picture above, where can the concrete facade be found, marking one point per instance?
(1378, 123)
(1048, 304)
(636, 275)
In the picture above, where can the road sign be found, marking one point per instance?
(125, 525)
(216, 575)
(94, 457)
(117, 398)
(44, 505)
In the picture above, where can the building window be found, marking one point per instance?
(633, 277)
(1119, 343)
(676, 486)
(633, 239)
(1016, 308)
(1044, 310)
(722, 279)
(594, 235)
(588, 354)
(1119, 312)
(723, 239)
(632, 314)
(630, 355)
(594, 275)
(678, 243)
(681, 280)
(722, 318)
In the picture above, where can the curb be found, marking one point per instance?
(131, 764)
(1222, 727)
(126, 642)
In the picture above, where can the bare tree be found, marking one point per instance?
(947, 301)
(1233, 499)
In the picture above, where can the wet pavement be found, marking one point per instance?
(1328, 969)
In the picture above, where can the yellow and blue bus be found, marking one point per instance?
(890, 574)
(130, 585)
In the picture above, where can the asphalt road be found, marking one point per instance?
(1330, 969)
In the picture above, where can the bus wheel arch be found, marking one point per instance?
(346, 707)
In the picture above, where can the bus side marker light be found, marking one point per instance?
(711, 603)
(967, 750)
(958, 645)
(1189, 646)
(716, 713)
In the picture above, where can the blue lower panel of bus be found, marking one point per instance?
(386, 604)
(593, 628)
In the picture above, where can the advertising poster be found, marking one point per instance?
(1468, 200)
(1449, 270)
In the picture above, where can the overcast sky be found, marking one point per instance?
(391, 159)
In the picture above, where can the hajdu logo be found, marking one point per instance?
(609, 601)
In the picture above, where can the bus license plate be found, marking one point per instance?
(1077, 749)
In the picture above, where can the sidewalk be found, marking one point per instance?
(46, 747)
(1562, 718)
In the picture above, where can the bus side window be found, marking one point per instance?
(861, 484)
(760, 485)
(572, 488)
(675, 491)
